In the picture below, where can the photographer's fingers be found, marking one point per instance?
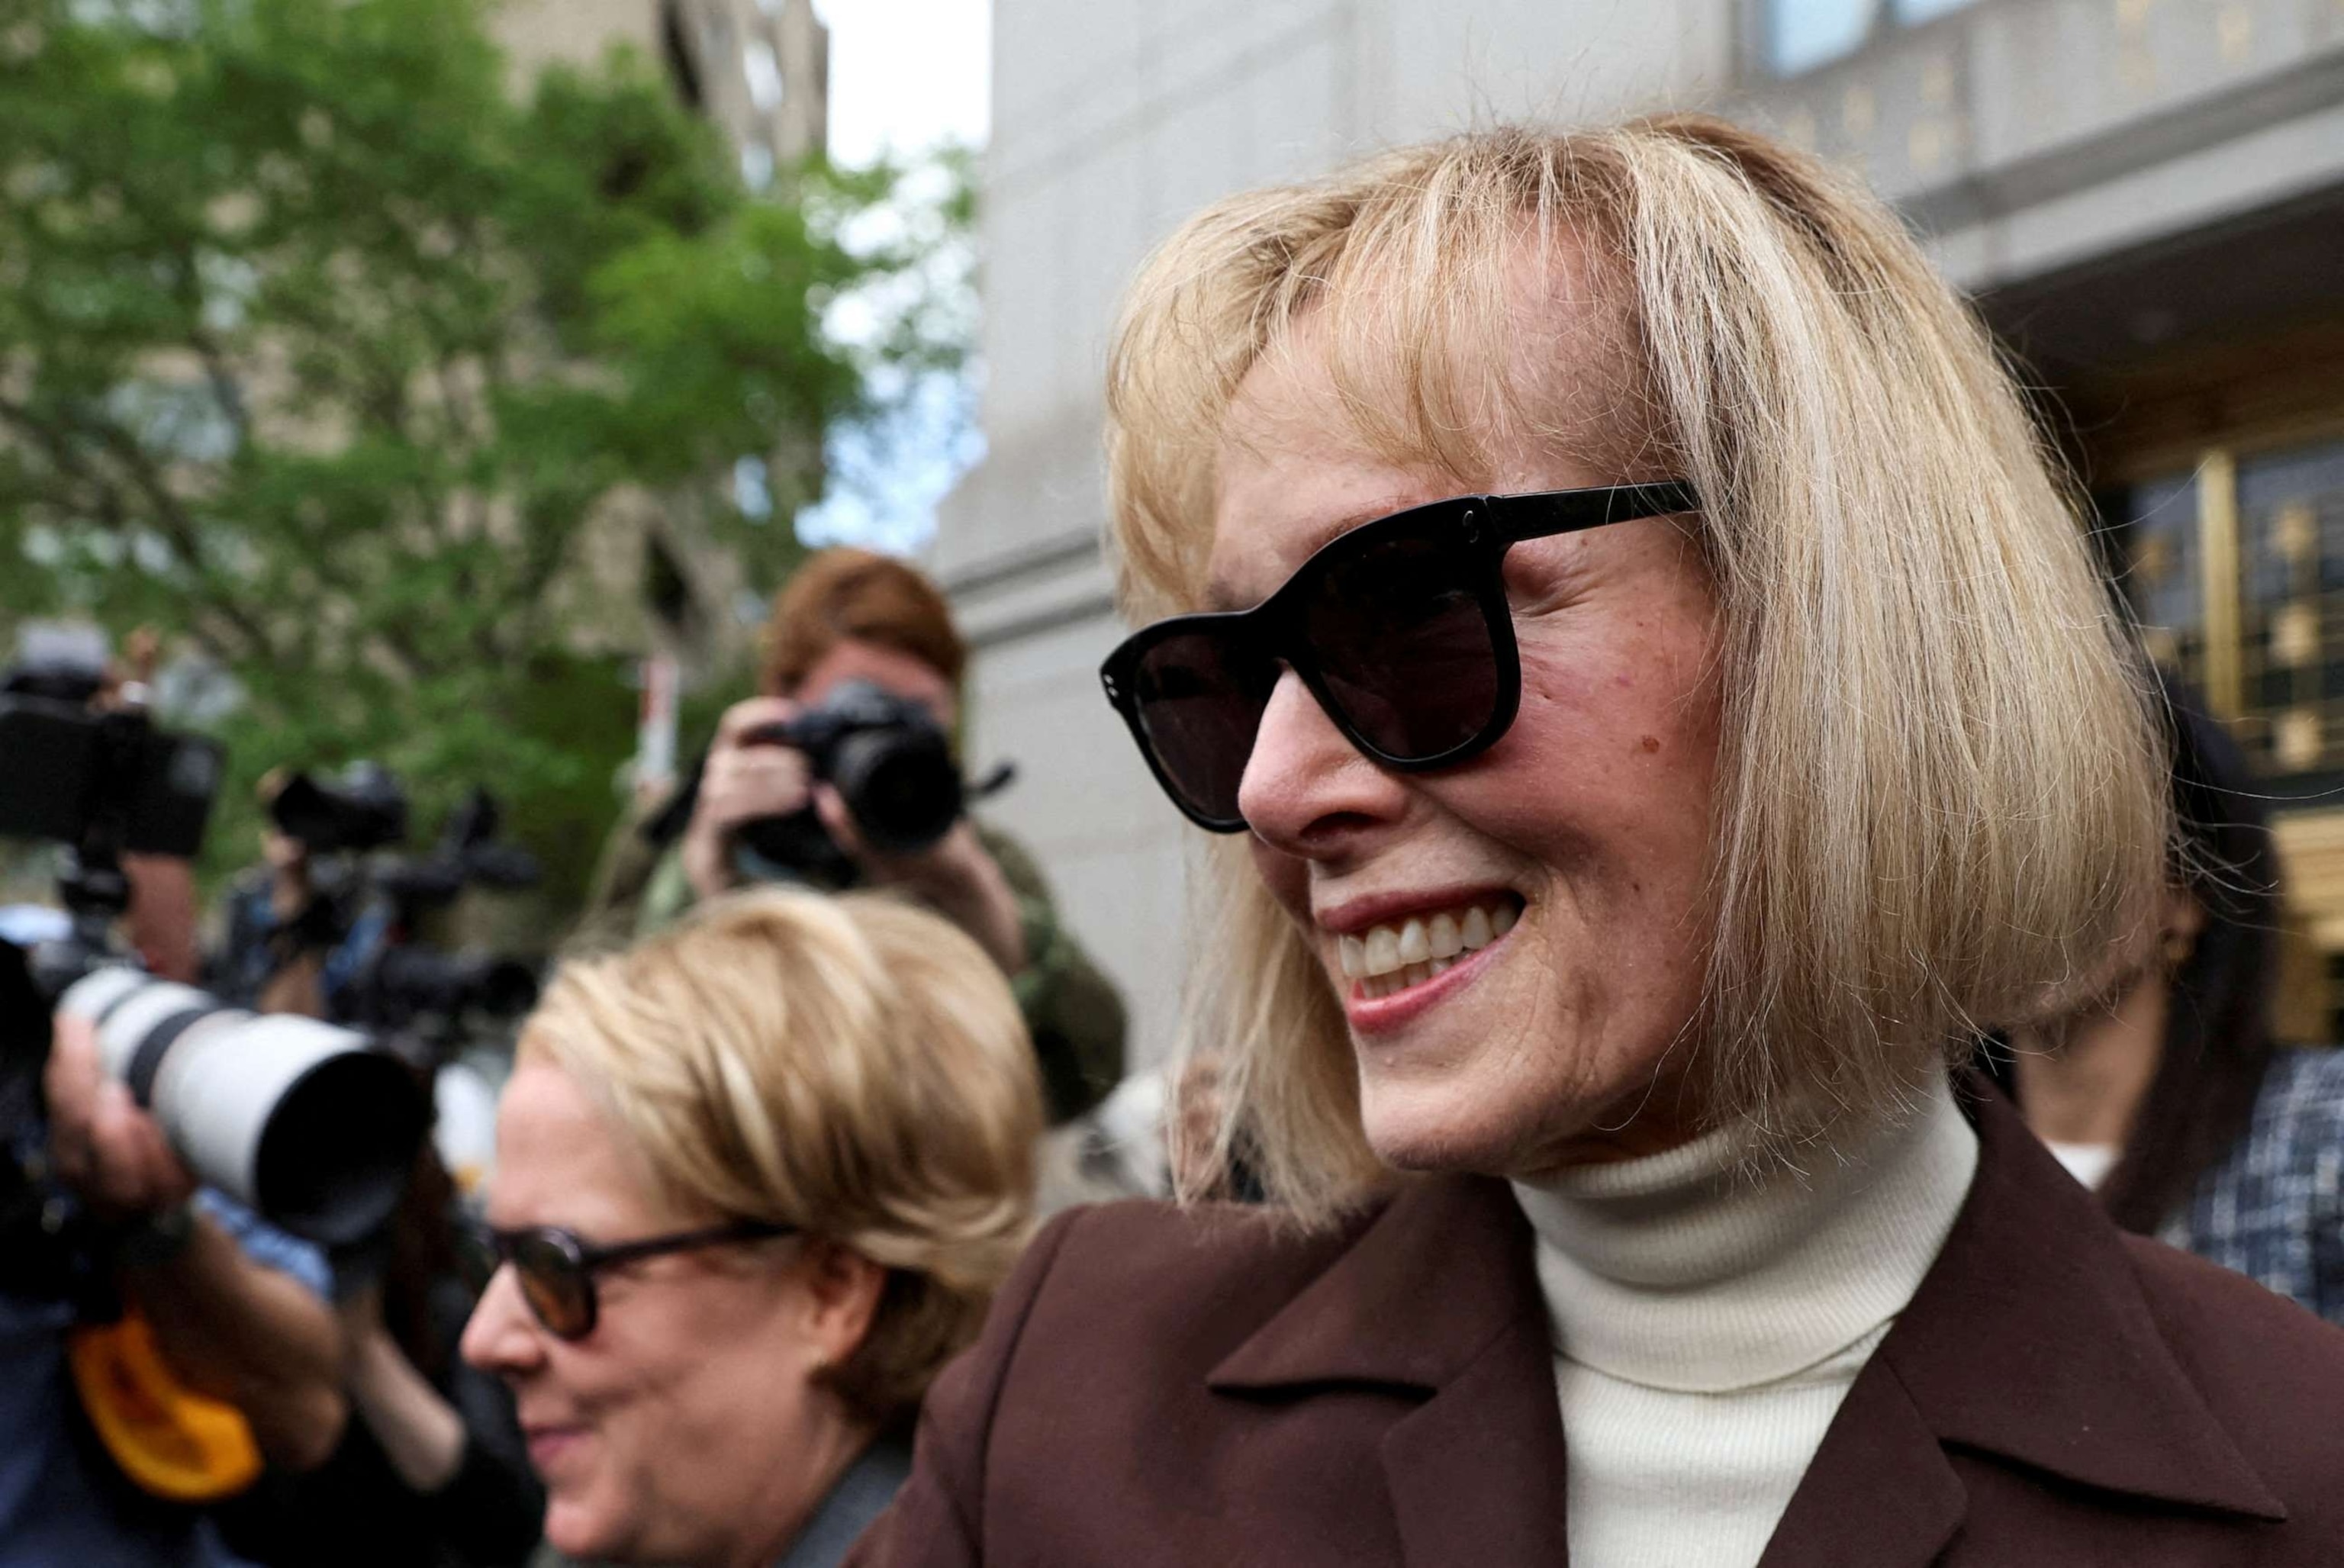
(754, 714)
(70, 1086)
(133, 1170)
(754, 781)
(839, 823)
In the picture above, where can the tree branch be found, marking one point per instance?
(164, 510)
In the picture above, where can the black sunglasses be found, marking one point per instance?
(557, 1269)
(1400, 628)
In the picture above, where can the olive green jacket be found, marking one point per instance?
(1074, 1012)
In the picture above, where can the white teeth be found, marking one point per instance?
(1442, 934)
(1388, 959)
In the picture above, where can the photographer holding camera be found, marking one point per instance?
(862, 651)
(227, 1311)
(174, 1166)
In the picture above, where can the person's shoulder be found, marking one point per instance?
(2298, 1128)
(1018, 866)
(1190, 1283)
(1194, 1250)
(2304, 1089)
(2270, 1371)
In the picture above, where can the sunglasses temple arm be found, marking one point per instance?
(1516, 518)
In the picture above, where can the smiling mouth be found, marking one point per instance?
(1387, 959)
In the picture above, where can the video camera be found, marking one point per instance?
(406, 986)
(302, 1120)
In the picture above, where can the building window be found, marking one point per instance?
(2236, 572)
(2163, 575)
(757, 166)
(1799, 35)
(2290, 524)
(675, 49)
(762, 67)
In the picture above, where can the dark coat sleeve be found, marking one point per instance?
(1073, 1010)
(937, 1521)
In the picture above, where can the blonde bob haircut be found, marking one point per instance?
(1940, 803)
(851, 1065)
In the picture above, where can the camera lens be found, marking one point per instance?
(900, 784)
(300, 1119)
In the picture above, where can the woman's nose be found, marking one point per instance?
(502, 1337)
(1307, 790)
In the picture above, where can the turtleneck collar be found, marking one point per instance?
(1684, 1271)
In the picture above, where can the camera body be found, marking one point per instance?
(360, 810)
(70, 770)
(887, 757)
(417, 996)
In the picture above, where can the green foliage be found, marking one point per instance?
(326, 351)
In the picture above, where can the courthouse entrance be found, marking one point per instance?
(2200, 388)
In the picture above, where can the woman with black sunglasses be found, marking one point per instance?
(755, 1181)
(1661, 708)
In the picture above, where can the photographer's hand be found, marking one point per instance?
(740, 783)
(230, 1326)
(108, 1150)
(956, 878)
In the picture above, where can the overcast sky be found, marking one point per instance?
(907, 73)
(904, 75)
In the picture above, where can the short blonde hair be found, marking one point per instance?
(852, 1066)
(1940, 801)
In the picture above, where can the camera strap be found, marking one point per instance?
(1001, 776)
(172, 1441)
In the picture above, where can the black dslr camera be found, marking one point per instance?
(301, 1121)
(103, 785)
(360, 810)
(889, 760)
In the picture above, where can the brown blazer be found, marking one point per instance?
(1197, 1391)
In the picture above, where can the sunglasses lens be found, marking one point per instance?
(1404, 647)
(555, 1287)
(1200, 697)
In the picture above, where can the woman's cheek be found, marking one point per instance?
(1287, 876)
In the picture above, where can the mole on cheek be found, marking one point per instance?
(1650, 742)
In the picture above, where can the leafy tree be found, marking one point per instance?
(336, 355)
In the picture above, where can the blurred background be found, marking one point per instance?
(440, 379)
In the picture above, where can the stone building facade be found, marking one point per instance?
(2146, 196)
(760, 69)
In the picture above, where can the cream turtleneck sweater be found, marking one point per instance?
(1707, 1324)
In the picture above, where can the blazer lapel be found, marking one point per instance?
(2031, 1340)
(2030, 1343)
(1477, 1472)
(1438, 1299)
(1879, 1493)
